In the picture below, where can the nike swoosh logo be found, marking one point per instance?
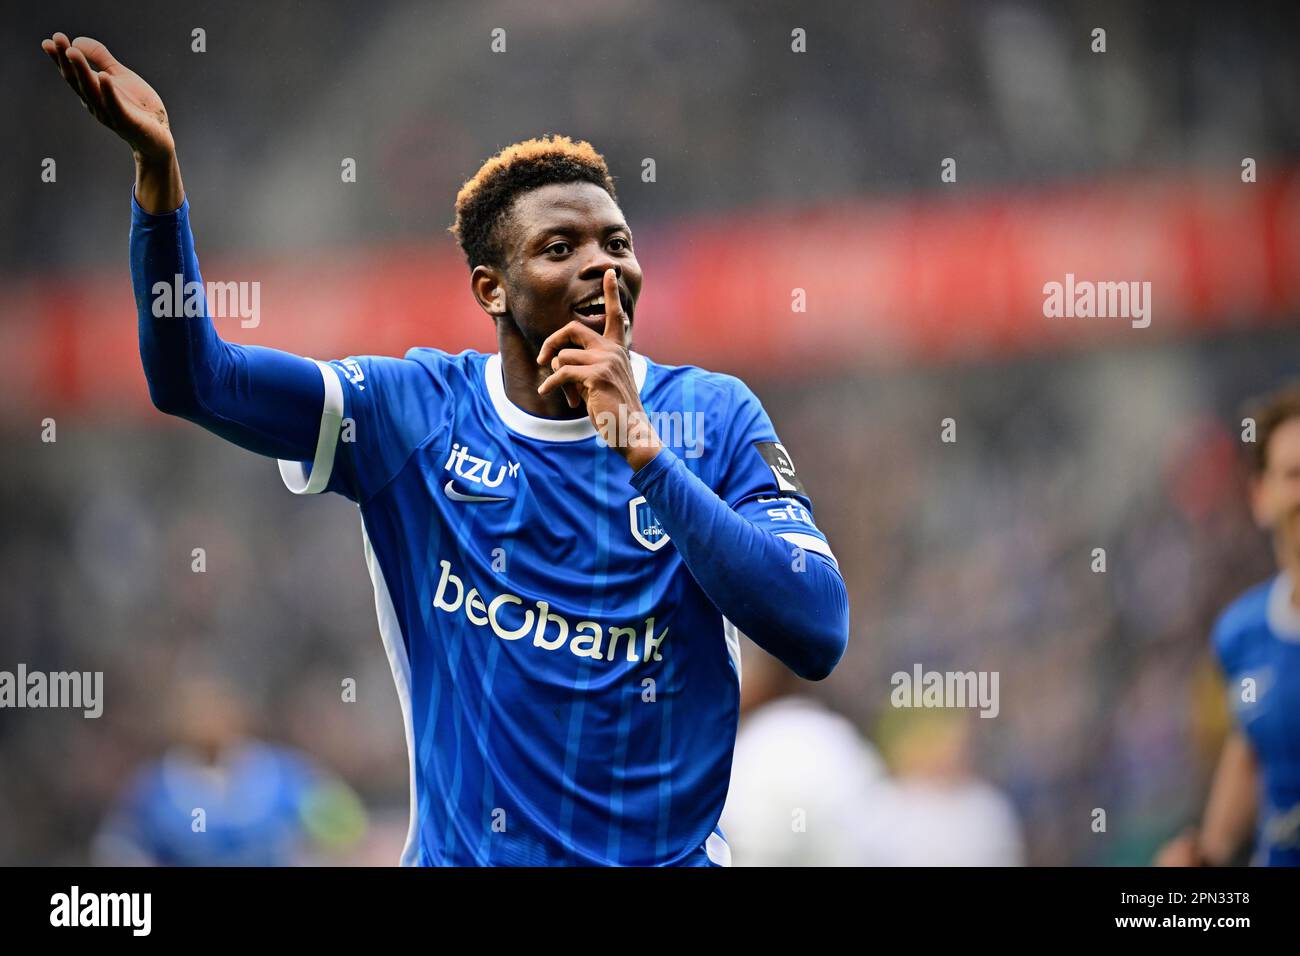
(455, 495)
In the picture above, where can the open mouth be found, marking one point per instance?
(594, 306)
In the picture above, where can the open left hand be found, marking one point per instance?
(114, 94)
(596, 368)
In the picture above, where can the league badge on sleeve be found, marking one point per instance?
(782, 465)
(645, 525)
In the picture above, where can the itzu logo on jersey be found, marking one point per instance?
(478, 470)
(550, 631)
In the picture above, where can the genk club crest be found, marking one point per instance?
(645, 525)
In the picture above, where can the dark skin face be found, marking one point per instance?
(559, 240)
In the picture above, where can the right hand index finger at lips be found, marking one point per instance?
(574, 332)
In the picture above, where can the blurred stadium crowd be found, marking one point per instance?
(971, 555)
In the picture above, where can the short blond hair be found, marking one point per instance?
(485, 200)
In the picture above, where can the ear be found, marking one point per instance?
(489, 288)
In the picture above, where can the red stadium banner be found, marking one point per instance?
(788, 292)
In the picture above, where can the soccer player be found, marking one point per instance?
(263, 804)
(1256, 642)
(560, 587)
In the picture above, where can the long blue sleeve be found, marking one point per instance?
(261, 399)
(793, 605)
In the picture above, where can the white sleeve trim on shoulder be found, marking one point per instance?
(294, 473)
(809, 542)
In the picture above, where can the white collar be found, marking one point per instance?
(534, 426)
(1283, 616)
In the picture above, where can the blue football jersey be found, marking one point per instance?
(570, 694)
(1257, 643)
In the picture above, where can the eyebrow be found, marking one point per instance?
(571, 227)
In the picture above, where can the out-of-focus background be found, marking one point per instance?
(773, 171)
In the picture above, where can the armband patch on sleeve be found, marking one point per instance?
(778, 459)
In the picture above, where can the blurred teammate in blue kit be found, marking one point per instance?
(561, 588)
(220, 797)
(1256, 643)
